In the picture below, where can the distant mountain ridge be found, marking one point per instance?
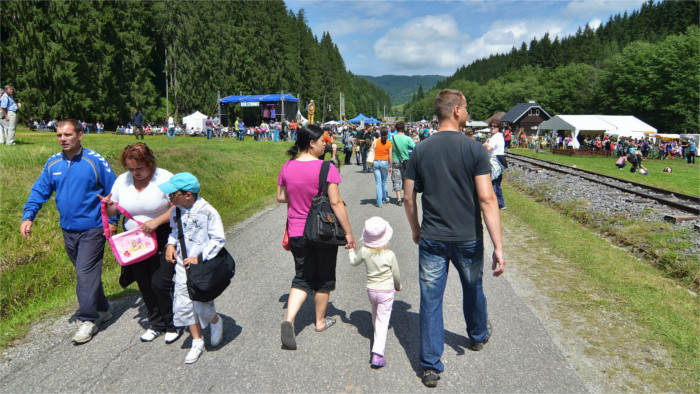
(402, 87)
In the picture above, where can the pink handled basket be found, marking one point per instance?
(130, 246)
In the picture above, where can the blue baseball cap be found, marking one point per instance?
(182, 181)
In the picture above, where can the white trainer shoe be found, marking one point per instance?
(171, 337)
(86, 329)
(195, 352)
(149, 335)
(217, 332)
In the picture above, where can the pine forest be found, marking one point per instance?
(97, 60)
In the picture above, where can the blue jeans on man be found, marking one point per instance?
(209, 132)
(433, 262)
(171, 133)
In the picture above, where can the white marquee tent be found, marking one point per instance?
(194, 121)
(593, 125)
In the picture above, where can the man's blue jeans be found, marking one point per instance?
(433, 262)
(381, 173)
(209, 132)
(171, 133)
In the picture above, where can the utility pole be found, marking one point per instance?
(167, 101)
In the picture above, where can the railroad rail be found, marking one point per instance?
(683, 202)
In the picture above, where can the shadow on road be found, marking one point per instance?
(231, 332)
(406, 327)
(119, 308)
(307, 313)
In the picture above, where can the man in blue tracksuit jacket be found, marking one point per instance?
(78, 176)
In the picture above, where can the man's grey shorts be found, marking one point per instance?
(396, 177)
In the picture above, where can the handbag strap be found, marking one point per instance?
(105, 218)
(323, 179)
(180, 233)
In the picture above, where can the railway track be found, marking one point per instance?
(683, 202)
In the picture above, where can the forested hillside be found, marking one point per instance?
(98, 60)
(402, 88)
(643, 64)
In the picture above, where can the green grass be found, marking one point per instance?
(685, 177)
(37, 279)
(588, 276)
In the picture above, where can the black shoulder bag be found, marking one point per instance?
(207, 279)
(322, 227)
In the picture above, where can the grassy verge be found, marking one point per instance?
(36, 277)
(685, 177)
(645, 327)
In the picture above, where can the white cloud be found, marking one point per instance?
(433, 40)
(436, 42)
(595, 23)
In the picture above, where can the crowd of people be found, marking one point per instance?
(451, 230)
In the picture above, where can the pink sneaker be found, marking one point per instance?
(378, 361)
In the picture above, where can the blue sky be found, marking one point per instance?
(419, 37)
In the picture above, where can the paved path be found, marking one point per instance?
(521, 357)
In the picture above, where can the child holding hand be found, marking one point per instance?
(382, 279)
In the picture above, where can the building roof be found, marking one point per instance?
(519, 111)
(497, 116)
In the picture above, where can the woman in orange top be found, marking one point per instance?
(383, 160)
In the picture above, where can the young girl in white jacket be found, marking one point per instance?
(382, 280)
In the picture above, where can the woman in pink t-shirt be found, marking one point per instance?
(314, 266)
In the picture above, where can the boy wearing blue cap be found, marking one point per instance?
(204, 236)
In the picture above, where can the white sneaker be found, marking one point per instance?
(149, 335)
(86, 329)
(195, 352)
(171, 337)
(217, 332)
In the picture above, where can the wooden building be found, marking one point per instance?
(526, 117)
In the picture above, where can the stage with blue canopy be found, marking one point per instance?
(260, 98)
(270, 106)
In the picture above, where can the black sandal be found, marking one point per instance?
(430, 378)
(288, 338)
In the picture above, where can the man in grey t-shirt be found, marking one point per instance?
(454, 174)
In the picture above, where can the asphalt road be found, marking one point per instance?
(520, 357)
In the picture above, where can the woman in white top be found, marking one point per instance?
(137, 191)
(496, 146)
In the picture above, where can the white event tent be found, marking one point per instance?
(593, 125)
(194, 121)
